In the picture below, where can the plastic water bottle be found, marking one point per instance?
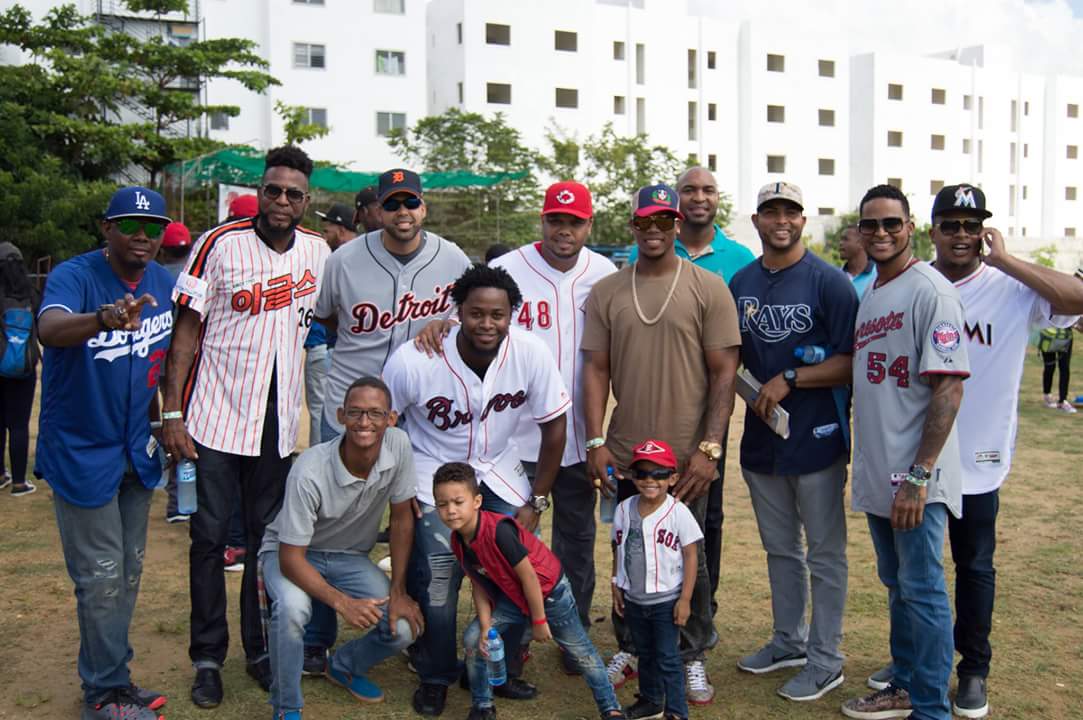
(186, 487)
(810, 354)
(607, 505)
(495, 664)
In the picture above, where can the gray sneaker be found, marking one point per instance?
(119, 704)
(882, 677)
(891, 702)
(769, 658)
(811, 684)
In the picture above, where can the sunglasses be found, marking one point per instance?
(890, 225)
(273, 192)
(392, 204)
(661, 221)
(970, 227)
(128, 226)
(659, 474)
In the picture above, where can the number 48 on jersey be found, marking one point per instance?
(527, 319)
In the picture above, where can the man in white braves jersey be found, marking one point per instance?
(1004, 299)
(555, 277)
(908, 370)
(233, 395)
(465, 406)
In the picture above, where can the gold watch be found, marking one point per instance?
(711, 449)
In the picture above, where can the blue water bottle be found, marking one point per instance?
(186, 487)
(607, 505)
(495, 663)
(810, 354)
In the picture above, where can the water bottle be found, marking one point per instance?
(607, 505)
(186, 487)
(495, 663)
(810, 354)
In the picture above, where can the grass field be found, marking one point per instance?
(1037, 637)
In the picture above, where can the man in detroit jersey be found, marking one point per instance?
(465, 406)
(233, 395)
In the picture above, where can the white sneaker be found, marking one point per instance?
(620, 669)
(1049, 401)
(5, 480)
(1066, 407)
(699, 691)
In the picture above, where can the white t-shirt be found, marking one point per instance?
(1000, 313)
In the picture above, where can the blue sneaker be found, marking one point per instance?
(291, 715)
(357, 685)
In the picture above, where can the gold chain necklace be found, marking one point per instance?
(665, 303)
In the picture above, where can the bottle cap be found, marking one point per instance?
(493, 633)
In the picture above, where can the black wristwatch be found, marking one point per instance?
(918, 475)
(790, 376)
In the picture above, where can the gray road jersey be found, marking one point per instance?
(380, 304)
(907, 329)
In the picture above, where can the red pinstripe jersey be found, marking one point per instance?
(257, 306)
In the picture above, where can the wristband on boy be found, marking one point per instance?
(541, 621)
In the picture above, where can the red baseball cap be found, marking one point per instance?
(244, 206)
(176, 235)
(568, 197)
(656, 452)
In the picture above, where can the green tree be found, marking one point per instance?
(296, 125)
(1046, 255)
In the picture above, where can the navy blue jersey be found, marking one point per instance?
(808, 303)
(95, 397)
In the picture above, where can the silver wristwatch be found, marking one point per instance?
(540, 503)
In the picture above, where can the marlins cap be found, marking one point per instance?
(568, 197)
(656, 452)
(136, 202)
(399, 180)
(780, 191)
(961, 197)
(655, 199)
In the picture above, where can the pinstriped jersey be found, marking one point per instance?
(256, 306)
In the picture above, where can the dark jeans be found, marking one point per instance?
(661, 672)
(1056, 361)
(973, 542)
(712, 528)
(260, 482)
(16, 402)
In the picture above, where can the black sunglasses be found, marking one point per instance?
(970, 227)
(273, 192)
(130, 226)
(659, 474)
(890, 225)
(392, 204)
(661, 221)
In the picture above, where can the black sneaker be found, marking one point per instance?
(207, 688)
(147, 698)
(971, 700)
(429, 699)
(477, 713)
(260, 671)
(643, 709)
(315, 663)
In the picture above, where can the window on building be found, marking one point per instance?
(1026, 150)
(936, 142)
(712, 58)
(1011, 158)
(618, 104)
(827, 117)
(459, 32)
(894, 138)
(1025, 188)
(968, 101)
(498, 93)
(388, 121)
(935, 186)
(894, 91)
(1073, 152)
(827, 166)
(1073, 110)
(306, 55)
(318, 116)
(641, 64)
(618, 50)
(1069, 192)
(390, 62)
(641, 116)
(565, 41)
(1015, 116)
(567, 98)
(460, 92)
(308, 2)
(712, 111)
(895, 182)
(391, 7)
(497, 34)
(981, 154)
(712, 162)
(1069, 232)
(693, 120)
(691, 160)
(219, 121)
(776, 113)
(693, 66)
(1011, 203)
(981, 112)
(826, 68)
(966, 146)
(938, 96)
(825, 211)
(1026, 108)
(776, 63)
(776, 163)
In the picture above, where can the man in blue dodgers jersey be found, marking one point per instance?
(791, 298)
(105, 322)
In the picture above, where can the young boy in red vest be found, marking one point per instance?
(654, 566)
(515, 579)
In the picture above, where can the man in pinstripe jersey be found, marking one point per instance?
(233, 395)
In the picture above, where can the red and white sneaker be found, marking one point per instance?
(621, 669)
(234, 559)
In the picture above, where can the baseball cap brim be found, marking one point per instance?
(396, 191)
(568, 211)
(148, 216)
(791, 201)
(975, 212)
(655, 209)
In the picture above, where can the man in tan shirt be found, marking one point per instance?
(663, 333)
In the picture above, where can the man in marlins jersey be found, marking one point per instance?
(466, 405)
(233, 395)
(1004, 299)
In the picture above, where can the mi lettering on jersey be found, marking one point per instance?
(455, 416)
(257, 306)
(554, 310)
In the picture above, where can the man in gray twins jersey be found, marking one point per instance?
(384, 287)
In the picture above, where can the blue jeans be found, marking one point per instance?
(657, 639)
(910, 565)
(103, 550)
(434, 579)
(568, 632)
(291, 609)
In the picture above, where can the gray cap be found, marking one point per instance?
(780, 191)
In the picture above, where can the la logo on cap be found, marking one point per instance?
(565, 197)
(964, 197)
(650, 448)
(141, 201)
(660, 195)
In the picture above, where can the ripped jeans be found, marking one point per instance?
(434, 580)
(103, 549)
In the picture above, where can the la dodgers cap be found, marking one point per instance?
(136, 201)
(780, 191)
(657, 452)
(176, 235)
(967, 198)
(339, 214)
(568, 197)
(654, 199)
(399, 180)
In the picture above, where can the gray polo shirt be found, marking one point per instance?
(326, 508)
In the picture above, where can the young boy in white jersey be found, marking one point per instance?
(654, 564)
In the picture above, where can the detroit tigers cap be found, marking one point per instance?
(780, 191)
(657, 452)
(136, 201)
(654, 199)
(244, 206)
(339, 214)
(176, 235)
(399, 180)
(568, 197)
(961, 197)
